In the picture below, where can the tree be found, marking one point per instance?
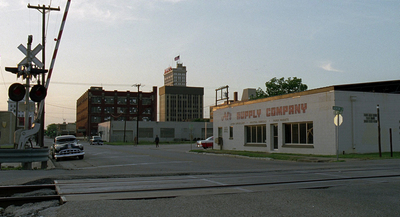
(51, 130)
(259, 94)
(276, 87)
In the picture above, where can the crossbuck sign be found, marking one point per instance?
(33, 53)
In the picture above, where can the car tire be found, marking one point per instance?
(81, 157)
(205, 147)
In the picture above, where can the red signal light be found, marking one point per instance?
(16, 92)
(38, 93)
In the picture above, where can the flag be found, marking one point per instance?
(176, 58)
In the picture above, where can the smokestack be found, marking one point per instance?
(235, 96)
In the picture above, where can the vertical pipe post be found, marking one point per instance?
(391, 144)
(379, 131)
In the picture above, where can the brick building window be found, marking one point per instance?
(109, 110)
(122, 101)
(109, 100)
(96, 99)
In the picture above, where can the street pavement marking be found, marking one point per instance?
(223, 184)
(215, 182)
(134, 164)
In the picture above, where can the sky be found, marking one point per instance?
(239, 43)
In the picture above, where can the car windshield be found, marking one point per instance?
(210, 138)
(64, 140)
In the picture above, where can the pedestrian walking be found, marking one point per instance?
(157, 140)
(135, 139)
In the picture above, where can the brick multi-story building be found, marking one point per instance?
(97, 105)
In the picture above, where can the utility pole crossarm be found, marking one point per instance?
(44, 8)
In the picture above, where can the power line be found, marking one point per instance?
(90, 84)
(60, 106)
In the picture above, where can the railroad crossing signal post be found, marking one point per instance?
(27, 70)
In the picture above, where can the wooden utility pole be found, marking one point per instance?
(138, 113)
(43, 9)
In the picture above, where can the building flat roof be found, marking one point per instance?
(392, 86)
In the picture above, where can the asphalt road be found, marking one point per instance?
(354, 188)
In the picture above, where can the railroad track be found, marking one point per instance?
(20, 194)
(140, 188)
(159, 187)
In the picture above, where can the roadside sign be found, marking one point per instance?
(338, 108)
(338, 118)
(37, 49)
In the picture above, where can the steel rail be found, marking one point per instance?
(19, 201)
(7, 192)
(235, 185)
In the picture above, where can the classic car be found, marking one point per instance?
(206, 143)
(66, 146)
(93, 139)
(96, 141)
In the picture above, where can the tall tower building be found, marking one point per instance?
(175, 76)
(177, 101)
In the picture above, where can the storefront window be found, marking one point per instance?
(256, 134)
(299, 133)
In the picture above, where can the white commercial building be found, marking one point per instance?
(304, 122)
(118, 131)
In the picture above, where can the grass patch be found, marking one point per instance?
(297, 157)
(11, 168)
(372, 156)
(150, 143)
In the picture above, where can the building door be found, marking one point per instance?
(274, 133)
(220, 142)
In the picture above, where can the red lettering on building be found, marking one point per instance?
(278, 110)
(291, 109)
(227, 116)
(248, 114)
(167, 70)
(273, 111)
(304, 107)
(284, 110)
